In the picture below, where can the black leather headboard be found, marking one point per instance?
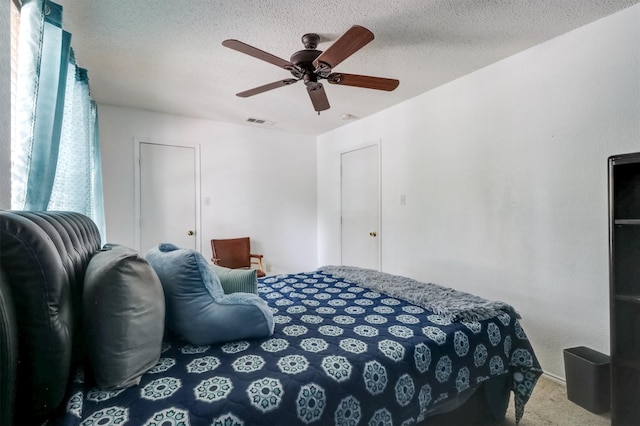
(43, 257)
(8, 351)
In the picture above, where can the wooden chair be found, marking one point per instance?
(235, 253)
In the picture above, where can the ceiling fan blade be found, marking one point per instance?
(318, 97)
(257, 53)
(349, 43)
(365, 81)
(266, 87)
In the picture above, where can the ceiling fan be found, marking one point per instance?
(311, 65)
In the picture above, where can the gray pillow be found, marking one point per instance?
(123, 307)
(236, 280)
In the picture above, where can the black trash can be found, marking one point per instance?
(588, 378)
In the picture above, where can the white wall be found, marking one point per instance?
(5, 105)
(262, 183)
(505, 176)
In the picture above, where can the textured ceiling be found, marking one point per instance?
(167, 56)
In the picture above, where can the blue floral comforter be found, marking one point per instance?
(340, 354)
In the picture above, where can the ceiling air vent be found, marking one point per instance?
(261, 121)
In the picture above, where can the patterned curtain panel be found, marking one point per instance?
(77, 185)
(56, 159)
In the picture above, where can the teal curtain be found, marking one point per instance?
(56, 160)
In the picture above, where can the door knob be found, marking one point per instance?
(373, 233)
(190, 233)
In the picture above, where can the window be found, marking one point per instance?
(55, 153)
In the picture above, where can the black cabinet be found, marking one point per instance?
(624, 266)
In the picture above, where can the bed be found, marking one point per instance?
(350, 347)
(342, 353)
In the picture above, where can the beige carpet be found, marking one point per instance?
(549, 406)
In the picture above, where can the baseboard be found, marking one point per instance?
(555, 378)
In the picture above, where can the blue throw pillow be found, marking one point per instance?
(198, 311)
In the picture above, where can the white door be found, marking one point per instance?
(167, 195)
(360, 207)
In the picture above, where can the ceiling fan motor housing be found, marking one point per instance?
(304, 58)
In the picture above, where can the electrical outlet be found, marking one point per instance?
(268, 267)
(403, 199)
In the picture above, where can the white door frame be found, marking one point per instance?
(377, 143)
(137, 211)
